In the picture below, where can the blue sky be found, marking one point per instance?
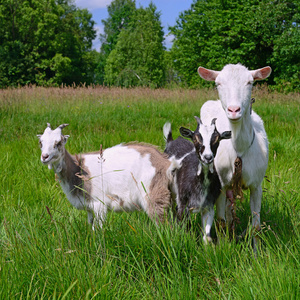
(169, 9)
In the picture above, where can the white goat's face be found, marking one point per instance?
(206, 140)
(52, 145)
(234, 84)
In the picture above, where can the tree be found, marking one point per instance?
(120, 14)
(45, 42)
(214, 33)
(138, 57)
(285, 58)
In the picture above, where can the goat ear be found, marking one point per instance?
(39, 135)
(65, 138)
(225, 135)
(261, 74)
(185, 132)
(207, 74)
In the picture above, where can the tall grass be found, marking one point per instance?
(48, 250)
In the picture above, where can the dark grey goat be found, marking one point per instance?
(196, 183)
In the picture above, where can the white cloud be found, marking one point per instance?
(96, 41)
(99, 29)
(169, 40)
(96, 45)
(92, 4)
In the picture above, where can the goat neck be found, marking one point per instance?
(70, 171)
(242, 134)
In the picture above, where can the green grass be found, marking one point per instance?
(48, 250)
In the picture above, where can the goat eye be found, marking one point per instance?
(57, 144)
(202, 148)
(41, 145)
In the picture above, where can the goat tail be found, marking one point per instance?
(167, 132)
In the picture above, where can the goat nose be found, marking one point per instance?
(234, 109)
(45, 156)
(208, 157)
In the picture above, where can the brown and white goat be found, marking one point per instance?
(126, 177)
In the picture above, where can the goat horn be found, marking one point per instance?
(213, 121)
(62, 126)
(48, 125)
(198, 120)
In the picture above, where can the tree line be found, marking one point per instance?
(49, 42)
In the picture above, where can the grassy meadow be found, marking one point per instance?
(47, 247)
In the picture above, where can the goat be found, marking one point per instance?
(126, 177)
(249, 144)
(196, 182)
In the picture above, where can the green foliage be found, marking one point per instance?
(48, 42)
(138, 57)
(120, 13)
(44, 42)
(254, 33)
(286, 59)
(171, 79)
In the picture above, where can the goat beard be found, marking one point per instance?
(57, 168)
(210, 167)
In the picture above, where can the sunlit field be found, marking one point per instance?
(47, 247)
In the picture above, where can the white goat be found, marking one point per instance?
(126, 177)
(196, 183)
(249, 140)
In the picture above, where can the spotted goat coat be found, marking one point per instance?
(126, 177)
